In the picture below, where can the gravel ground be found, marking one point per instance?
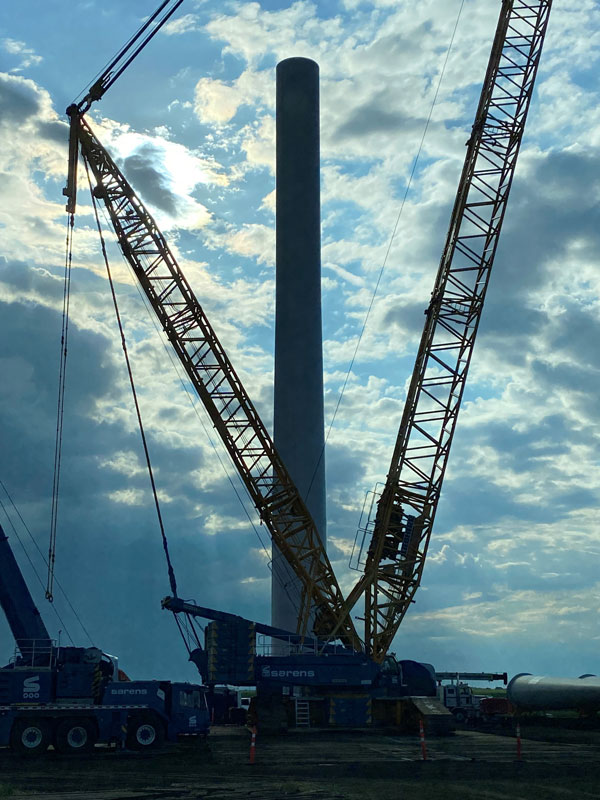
(323, 765)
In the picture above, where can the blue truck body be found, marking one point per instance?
(73, 697)
(139, 714)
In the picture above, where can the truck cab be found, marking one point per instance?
(188, 713)
(459, 699)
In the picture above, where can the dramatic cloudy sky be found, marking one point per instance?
(511, 581)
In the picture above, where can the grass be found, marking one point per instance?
(6, 790)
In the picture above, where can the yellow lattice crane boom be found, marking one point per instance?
(396, 551)
(233, 414)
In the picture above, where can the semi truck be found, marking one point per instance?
(74, 697)
(460, 699)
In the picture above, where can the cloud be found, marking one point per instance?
(180, 25)
(104, 485)
(375, 117)
(28, 56)
(514, 555)
(19, 99)
(215, 101)
(150, 183)
(31, 211)
(167, 174)
(253, 241)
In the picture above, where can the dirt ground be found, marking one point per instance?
(356, 765)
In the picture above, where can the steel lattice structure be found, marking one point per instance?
(408, 503)
(272, 490)
(407, 507)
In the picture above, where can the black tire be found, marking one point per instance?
(76, 735)
(460, 716)
(30, 736)
(145, 732)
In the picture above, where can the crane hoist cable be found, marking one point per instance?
(171, 573)
(211, 373)
(62, 375)
(111, 72)
(188, 630)
(389, 247)
(31, 564)
(283, 574)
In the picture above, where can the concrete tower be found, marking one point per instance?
(298, 402)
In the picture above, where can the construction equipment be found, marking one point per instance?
(248, 442)
(394, 555)
(316, 684)
(74, 697)
(459, 698)
(401, 531)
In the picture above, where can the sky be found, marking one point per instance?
(511, 581)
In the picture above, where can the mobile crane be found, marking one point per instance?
(405, 512)
(74, 697)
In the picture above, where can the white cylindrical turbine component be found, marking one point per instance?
(543, 693)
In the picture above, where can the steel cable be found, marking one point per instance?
(286, 575)
(172, 581)
(31, 564)
(62, 376)
(389, 247)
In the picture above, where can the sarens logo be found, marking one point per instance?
(129, 691)
(267, 672)
(31, 687)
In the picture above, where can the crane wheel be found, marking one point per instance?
(145, 732)
(30, 736)
(77, 735)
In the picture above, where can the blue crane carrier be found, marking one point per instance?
(313, 683)
(74, 697)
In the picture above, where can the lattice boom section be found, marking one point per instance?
(438, 382)
(213, 377)
(463, 278)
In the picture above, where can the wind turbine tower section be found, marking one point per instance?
(298, 398)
